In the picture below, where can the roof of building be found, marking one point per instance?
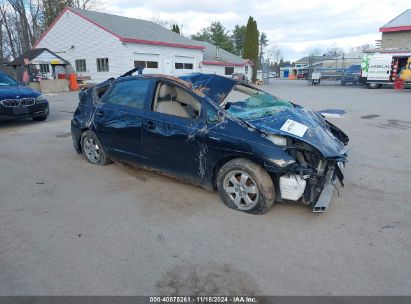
(224, 57)
(131, 30)
(32, 54)
(315, 59)
(147, 32)
(399, 23)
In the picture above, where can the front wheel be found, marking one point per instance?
(93, 150)
(245, 186)
(374, 85)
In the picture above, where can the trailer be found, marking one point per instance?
(379, 69)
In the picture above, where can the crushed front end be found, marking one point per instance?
(312, 178)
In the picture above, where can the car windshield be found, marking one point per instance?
(7, 81)
(247, 103)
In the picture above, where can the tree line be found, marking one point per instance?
(244, 40)
(22, 22)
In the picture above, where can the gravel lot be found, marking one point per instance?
(71, 228)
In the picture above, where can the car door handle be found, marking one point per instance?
(99, 113)
(148, 124)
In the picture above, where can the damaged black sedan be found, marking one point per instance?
(251, 146)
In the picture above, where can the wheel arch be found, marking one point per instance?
(222, 161)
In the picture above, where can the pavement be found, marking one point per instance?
(70, 228)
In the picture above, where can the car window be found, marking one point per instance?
(7, 81)
(131, 93)
(173, 100)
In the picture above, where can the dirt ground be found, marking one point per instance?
(70, 228)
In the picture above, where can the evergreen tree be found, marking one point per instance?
(263, 42)
(176, 28)
(251, 44)
(238, 36)
(216, 34)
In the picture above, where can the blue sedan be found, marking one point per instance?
(20, 102)
(250, 146)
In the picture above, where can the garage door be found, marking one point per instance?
(183, 65)
(150, 62)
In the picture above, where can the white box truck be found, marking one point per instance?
(382, 68)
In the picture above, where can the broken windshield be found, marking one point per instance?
(247, 103)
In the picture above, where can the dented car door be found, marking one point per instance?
(118, 118)
(174, 145)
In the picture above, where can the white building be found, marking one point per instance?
(101, 46)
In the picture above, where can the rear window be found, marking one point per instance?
(131, 93)
(354, 68)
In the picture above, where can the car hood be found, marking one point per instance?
(17, 92)
(305, 125)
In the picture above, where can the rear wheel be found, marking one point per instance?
(245, 186)
(93, 150)
(374, 85)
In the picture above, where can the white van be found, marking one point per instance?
(381, 68)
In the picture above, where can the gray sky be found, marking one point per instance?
(295, 26)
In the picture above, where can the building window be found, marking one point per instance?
(139, 64)
(188, 66)
(102, 65)
(146, 64)
(81, 65)
(44, 68)
(246, 69)
(152, 65)
(229, 70)
(183, 66)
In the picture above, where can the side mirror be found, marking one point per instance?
(23, 83)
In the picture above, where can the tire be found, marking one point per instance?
(93, 150)
(40, 118)
(245, 186)
(374, 85)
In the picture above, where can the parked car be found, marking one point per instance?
(239, 77)
(351, 75)
(18, 101)
(272, 75)
(251, 146)
(302, 76)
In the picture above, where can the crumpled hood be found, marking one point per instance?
(293, 121)
(11, 92)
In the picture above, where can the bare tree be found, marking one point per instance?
(23, 21)
(334, 51)
(316, 52)
(274, 53)
(26, 33)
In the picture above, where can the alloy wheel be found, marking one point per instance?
(242, 189)
(91, 150)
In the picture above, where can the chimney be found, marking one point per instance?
(217, 52)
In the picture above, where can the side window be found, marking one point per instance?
(173, 100)
(131, 93)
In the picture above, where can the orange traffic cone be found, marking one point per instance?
(73, 82)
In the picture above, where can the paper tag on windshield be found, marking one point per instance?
(293, 127)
